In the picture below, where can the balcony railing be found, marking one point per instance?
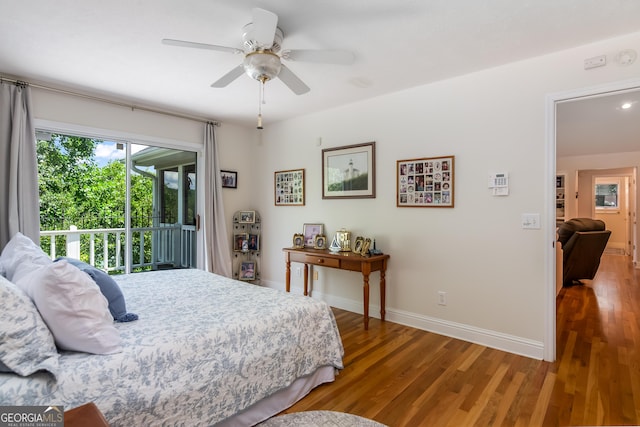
(167, 246)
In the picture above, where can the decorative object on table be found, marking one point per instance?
(229, 179)
(349, 172)
(289, 187)
(374, 251)
(247, 217)
(365, 247)
(342, 241)
(357, 247)
(298, 240)
(246, 243)
(335, 246)
(310, 231)
(320, 241)
(240, 241)
(248, 270)
(426, 182)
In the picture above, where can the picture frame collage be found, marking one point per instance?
(289, 187)
(425, 182)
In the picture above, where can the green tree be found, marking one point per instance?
(75, 190)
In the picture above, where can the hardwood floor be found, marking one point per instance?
(401, 376)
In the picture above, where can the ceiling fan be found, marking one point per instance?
(261, 47)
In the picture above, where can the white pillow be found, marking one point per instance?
(73, 308)
(26, 345)
(21, 256)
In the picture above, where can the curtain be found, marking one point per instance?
(216, 240)
(19, 200)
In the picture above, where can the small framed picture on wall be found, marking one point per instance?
(427, 182)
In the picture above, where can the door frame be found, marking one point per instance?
(549, 341)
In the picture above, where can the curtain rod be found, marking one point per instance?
(107, 101)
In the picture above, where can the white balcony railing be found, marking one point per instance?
(168, 246)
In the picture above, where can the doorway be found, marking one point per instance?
(617, 155)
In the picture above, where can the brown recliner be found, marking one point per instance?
(583, 241)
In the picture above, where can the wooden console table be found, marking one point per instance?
(343, 261)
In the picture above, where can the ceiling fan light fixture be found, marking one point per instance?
(262, 65)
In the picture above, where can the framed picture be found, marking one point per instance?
(349, 172)
(365, 247)
(289, 187)
(357, 248)
(241, 242)
(425, 183)
(247, 217)
(310, 231)
(229, 179)
(254, 242)
(248, 270)
(320, 241)
(298, 240)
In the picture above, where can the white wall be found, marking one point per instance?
(492, 270)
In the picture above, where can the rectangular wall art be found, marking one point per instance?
(425, 183)
(289, 187)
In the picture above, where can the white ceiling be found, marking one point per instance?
(112, 48)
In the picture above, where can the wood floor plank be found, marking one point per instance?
(401, 376)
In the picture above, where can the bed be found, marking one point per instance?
(206, 350)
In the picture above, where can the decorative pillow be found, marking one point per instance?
(73, 308)
(21, 256)
(109, 289)
(26, 344)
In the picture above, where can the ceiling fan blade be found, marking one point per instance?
(182, 43)
(264, 27)
(229, 77)
(336, 56)
(292, 81)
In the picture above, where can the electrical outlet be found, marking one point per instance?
(442, 298)
(315, 275)
(299, 271)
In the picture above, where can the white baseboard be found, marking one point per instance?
(485, 337)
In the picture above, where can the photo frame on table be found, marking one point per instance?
(320, 242)
(349, 172)
(247, 217)
(357, 247)
(289, 187)
(298, 241)
(427, 182)
(248, 270)
(229, 179)
(310, 231)
(241, 242)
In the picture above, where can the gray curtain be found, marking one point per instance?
(216, 239)
(19, 201)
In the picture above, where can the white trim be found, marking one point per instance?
(485, 337)
(549, 342)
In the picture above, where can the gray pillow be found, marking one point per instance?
(109, 289)
(26, 344)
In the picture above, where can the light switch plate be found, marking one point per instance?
(531, 221)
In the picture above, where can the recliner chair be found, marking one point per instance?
(583, 241)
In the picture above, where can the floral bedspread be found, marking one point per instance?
(204, 348)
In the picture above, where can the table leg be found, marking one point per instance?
(288, 275)
(366, 300)
(383, 293)
(306, 279)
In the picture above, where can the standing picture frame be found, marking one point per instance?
(289, 187)
(248, 270)
(310, 231)
(349, 172)
(427, 182)
(229, 179)
(247, 217)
